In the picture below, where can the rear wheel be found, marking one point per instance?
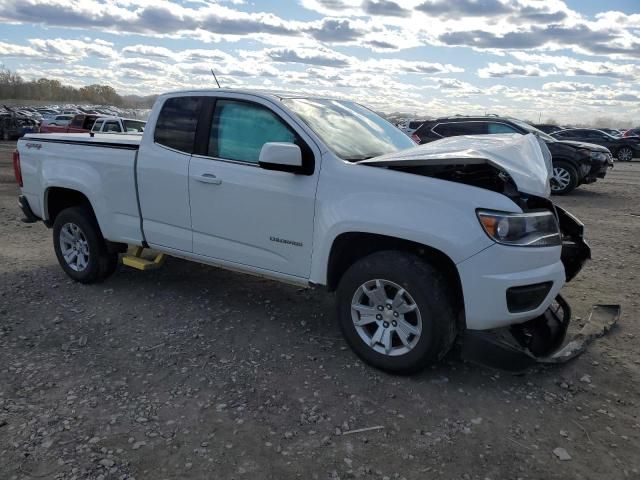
(625, 154)
(80, 248)
(564, 179)
(395, 311)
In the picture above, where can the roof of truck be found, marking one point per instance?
(270, 94)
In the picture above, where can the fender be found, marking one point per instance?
(435, 213)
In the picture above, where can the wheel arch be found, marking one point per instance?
(349, 247)
(57, 199)
(572, 161)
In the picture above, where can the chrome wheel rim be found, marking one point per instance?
(625, 155)
(74, 247)
(561, 178)
(386, 317)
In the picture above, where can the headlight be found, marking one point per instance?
(531, 229)
(594, 155)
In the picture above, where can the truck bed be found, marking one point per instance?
(101, 167)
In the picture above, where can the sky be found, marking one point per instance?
(571, 61)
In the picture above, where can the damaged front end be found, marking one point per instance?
(542, 339)
(518, 167)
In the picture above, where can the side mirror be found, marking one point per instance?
(280, 156)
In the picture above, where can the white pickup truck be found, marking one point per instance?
(421, 243)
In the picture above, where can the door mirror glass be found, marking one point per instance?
(281, 156)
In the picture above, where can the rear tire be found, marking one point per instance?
(80, 247)
(624, 154)
(565, 178)
(395, 311)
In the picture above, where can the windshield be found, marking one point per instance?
(351, 131)
(133, 125)
(534, 130)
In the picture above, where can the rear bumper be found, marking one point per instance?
(29, 216)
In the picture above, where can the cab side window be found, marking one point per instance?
(177, 121)
(240, 129)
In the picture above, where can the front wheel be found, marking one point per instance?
(625, 154)
(80, 248)
(565, 178)
(395, 311)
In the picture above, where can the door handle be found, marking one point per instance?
(209, 178)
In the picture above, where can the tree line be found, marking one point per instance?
(13, 86)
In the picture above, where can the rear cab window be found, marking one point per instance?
(112, 126)
(88, 122)
(177, 122)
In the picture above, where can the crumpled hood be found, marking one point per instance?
(525, 158)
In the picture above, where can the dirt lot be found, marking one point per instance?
(194, 372)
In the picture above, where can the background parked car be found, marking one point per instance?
(409, 126)
(59, 120)
(13, 126)
(547, 127)
(633, 132)
(611, 131)
(623, 148)
(79, 123)
(574, 163)
(118, 125)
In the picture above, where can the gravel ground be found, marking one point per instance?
(194, 372)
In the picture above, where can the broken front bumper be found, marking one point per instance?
(575, 250)
(539, 341)
(542, 340)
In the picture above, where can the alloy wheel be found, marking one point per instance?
(74, 247)
(386, 317)
(625, 154)
(561, 178)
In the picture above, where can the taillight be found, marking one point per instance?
(16, 167)
(415, 138)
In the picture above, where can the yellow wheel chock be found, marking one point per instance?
(133, 258)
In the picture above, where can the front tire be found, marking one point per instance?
(80, 248)
(395, 311)
(625, 154)
(565, 178)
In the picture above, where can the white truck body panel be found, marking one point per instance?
(282, 225)
(101, 168)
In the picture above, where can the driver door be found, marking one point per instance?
(241, 213)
